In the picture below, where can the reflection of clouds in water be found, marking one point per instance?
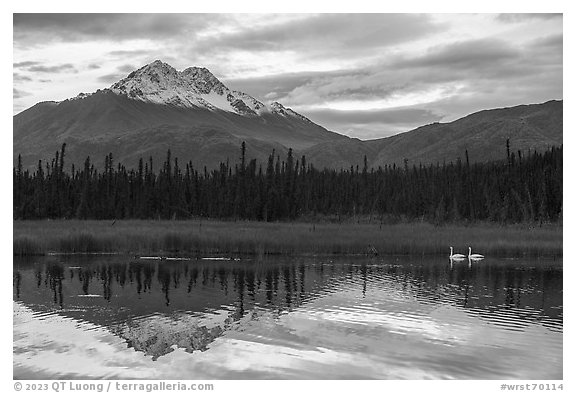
(50, 344)
(406, 318)
(92, 352)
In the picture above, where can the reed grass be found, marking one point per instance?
(197, 237)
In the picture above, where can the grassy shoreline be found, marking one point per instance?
(202, 237)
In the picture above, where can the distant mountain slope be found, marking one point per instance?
(156, 108)
(483, 134)
(191, 112)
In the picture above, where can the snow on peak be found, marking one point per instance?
(80, 96)
(160, 83)
(203, 80)
(194, 87)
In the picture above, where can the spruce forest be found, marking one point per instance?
(517, 189)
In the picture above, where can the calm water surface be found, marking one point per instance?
(320, 318)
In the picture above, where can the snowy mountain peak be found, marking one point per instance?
(158, 64)
(204, 81)
(155, 71)
(194, 87)
(277, 107)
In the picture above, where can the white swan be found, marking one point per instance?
(456, 256)
(474, 257)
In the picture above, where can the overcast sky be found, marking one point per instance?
(363, 75)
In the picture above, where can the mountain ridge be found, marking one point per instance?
(483, 134)
(156, 108)
(188, 103)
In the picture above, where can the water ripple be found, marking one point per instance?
(303, 318)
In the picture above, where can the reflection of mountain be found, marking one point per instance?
(156, 306)
(156, 336)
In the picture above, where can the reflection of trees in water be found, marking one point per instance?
(193, 278)
(223, 279)
(55, 275)
(239, 288)
(287, 283)
(16, 281)
(104, 274)
(278, 286)
(85, 276)
(165, 278)
(38, 275)
(269, 286)
(526, 295)
(141, 274)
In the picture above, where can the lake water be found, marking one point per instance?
(320, 318)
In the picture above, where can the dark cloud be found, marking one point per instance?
(546, 50)
(544, 55)
(53, 69)
(129, 53)
(469, 54)
(111, 78)
(272, 85)
(554, 41)
(467, 62)
(313, 88)
(19, 93)
(441, 67)
(36, 29)
(515, 18)
(24, 64)
(123, 71)
(36, 66)
(328, 33)
(127, 68)
(396, 116)
(361, 85)
(280, 85)
(93, 66)
(16, 77)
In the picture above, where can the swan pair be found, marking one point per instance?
(459, 257)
